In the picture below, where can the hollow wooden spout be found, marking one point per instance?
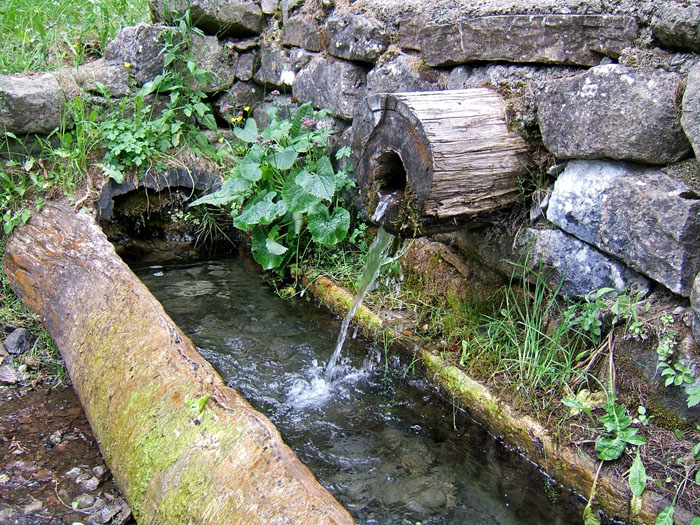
(450, 153)
(182, 446)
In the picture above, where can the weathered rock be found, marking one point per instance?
(690, 119)
(677, 25)
(655, 58)
(285, 109)
(242, 94)
(303, 31)
(638, 214)
(242, 44)
(279, 66)
(617, 112)
(269, 6)
(695, 304)
(220, 61)
(30, 103)
(3, 352)
(215, 17)
(247, 65)
(404, 73)
(554, 39)
(578, 267)
(8, 375)
(87, 482)
(19, 341)
(86, 78)
(331, 84)
(355, 37)
(140, 46)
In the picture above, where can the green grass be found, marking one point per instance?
(40, 35)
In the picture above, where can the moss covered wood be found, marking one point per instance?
(178, 455)
(450, 153)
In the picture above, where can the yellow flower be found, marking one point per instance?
(247, 108)
(221, 139)
(127, 65)
(239, 118)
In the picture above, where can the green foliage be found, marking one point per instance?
(535, 340)
(617, 432)
(284, 189)
(47, 34)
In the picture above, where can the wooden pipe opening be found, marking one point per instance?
(389, 172)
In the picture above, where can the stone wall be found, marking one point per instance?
(606, 92)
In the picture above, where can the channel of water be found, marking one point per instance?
(378, 437)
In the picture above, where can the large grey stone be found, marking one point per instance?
(677, 25)
(216, 17)
(279, 66)
(355, 37)
(303, 31)
(578, 267)
(248, 64)
(404, 73)
(219, 60)
(30, 103)
(690, 119)
(19, 341)
(140, 47)
(331, 84)
(638, 214)
(695, 304)
(553, 38)
(616, 112)
(91, 77)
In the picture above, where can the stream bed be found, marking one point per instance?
(379, 438)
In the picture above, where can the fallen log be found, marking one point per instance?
(182, 446)
(448, 155)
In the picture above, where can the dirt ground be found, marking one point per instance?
(51, 469)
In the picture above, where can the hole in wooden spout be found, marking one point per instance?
(389, 173)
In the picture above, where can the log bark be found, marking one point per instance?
(450, 153)
(178, 456)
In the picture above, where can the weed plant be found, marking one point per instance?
(40, 35)
(534, 339)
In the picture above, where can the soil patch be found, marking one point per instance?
(51, 469)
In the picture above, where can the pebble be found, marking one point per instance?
(74, 472)
(87, 482)
(19, 341)
(8, 375)
(34, 506)
(100, 471)
(85, 500)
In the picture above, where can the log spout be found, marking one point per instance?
(183, 447)
(449, 155)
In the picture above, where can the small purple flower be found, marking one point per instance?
(226, 107)
(267, 143)
(260, 137)
(275, 93)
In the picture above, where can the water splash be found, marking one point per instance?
(377, 252)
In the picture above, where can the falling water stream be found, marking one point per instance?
(378, 436)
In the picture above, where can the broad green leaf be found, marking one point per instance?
(112, 172)
(274, 247)
(249, 133)
(324, 167)
(249, 167)
(262, 211)
(322, 186)
(665, 517)
(638, 476)
(609, 449)
(695, 521)
(283, 160)
(261, 253)
(209, 121)
(693, 396)
(329, 229)
(297, 198)
(231, 189)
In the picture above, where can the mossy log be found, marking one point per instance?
(182, 446)
(449, 154)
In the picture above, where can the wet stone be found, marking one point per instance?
(85, 500)
(19, 341)
(87, 482)
(8, 375)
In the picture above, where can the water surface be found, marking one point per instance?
(379, 438)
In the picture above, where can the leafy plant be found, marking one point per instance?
(284, 190)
